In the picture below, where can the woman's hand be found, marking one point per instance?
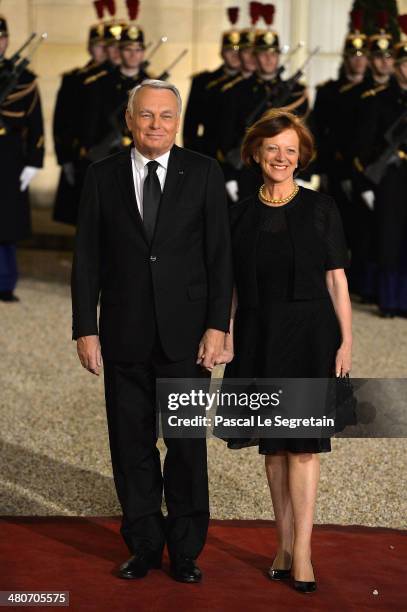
(343, 361)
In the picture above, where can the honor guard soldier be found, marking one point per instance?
(363, 275)
(111, 37)
(382, 159)
(201, 119)
(67, 126)
(248, 63)
(381, 58)
(333, 115)
(248, 67)
(334, 122)
(112, 34)
(22, 154)
(246, 101)
(105, 130)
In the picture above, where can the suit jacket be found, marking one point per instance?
(180, 285)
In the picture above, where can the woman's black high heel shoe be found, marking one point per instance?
(279, 574)
(305, 586)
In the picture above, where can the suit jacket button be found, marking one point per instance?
(153, 258)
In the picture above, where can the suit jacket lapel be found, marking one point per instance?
(126, 183)
(173, 181)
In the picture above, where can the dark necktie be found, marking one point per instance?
(151, 199)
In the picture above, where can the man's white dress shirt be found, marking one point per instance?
(140, 171)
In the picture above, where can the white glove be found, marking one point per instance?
(69, 172)
(302, 183)
(368, 197)
(27, 176)
(233, 190)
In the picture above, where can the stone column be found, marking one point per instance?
(299, 30)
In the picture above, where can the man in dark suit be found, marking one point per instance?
(153, 240)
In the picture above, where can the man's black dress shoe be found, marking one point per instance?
(139, 565)
(8, 296)
(185, 570)
(305, 587)
(279, 574)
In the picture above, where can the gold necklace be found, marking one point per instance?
(276, 201)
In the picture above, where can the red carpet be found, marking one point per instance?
(80, 555)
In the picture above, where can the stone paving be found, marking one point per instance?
(54, 446)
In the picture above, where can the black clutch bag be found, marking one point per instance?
(345, 403)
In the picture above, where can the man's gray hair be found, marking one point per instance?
(154, 84)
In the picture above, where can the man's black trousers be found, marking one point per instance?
(131, 415)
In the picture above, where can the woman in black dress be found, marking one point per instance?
(292, 315)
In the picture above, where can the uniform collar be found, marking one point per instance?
(265, 80)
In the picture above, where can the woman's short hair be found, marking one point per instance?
(270, 124)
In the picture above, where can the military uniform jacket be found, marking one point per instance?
(243, 97)
(68, 127)
(21, 144)
(380, 109)
(67, 120)
(105, 104)
(202, 118)
(334, 120)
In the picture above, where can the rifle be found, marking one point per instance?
(290, 52)
(164, 75)
(17, 54)
(395, 136)
(112, 139)
(279, 94)
(144, 65)
(10, 77)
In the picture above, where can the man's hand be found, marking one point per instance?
(89, 353)
(211, 348)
